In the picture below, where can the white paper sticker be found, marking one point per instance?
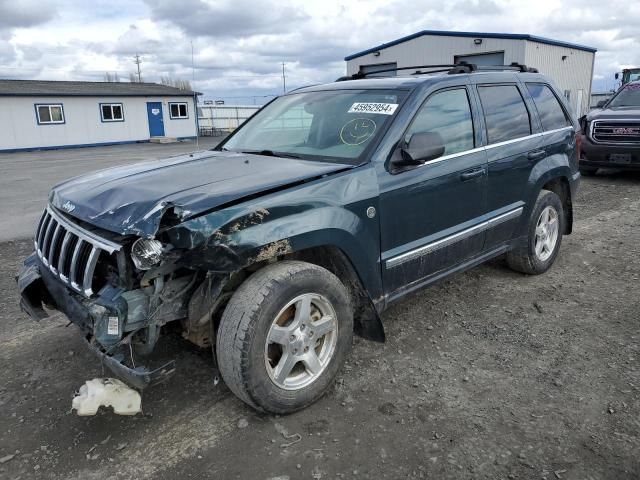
(381, 108)
(113, 327)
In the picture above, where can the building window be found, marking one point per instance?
(178, 110)
(49, 114)
(111, 112)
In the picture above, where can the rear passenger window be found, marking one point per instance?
(505, 113)
(551, 113)
(449, 114)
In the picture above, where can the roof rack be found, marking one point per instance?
(451, 69)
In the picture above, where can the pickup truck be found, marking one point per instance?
(611, 134)
(331, 203)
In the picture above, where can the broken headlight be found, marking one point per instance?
(146, 253)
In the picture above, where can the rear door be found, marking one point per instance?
(430, 214)
(558, 133)
(514, 148)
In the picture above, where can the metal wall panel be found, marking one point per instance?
(430, 49)
(573, 74)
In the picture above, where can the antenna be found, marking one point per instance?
(284, 80)
(137, 61)
(195, 98)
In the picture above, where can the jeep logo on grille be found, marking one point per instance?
(68, 206)
(626, 131)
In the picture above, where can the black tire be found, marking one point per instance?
(523, 257)
(588, 171)
(242, 334)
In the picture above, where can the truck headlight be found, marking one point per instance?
(146, 253)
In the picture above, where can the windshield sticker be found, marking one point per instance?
(381, 108)
(632, 86)
(357, 131)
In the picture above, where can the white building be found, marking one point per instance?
(47, 114)
(569, 65)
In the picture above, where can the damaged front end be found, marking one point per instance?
(120, 291)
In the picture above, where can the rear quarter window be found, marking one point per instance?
(552, 115)
(506, 115)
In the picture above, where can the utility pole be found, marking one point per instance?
(284, 80)
(137, 61)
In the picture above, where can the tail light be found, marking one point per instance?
(578, 145)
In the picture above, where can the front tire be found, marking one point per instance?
(284, 335)
(544, 236)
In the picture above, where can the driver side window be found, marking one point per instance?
(447, 113)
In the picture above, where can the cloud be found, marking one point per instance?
(24, 13)
(226, 18)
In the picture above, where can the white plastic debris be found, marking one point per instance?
(107, 392)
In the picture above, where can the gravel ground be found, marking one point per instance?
(489, 374)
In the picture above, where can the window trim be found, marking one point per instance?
(567, 116)
(106, 120)
(61, 105)
(523, 96)
(186, 106)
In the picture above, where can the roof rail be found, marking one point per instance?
(451, 69)
(461, 67)
(513, 66)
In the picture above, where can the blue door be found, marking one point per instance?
(156, 124)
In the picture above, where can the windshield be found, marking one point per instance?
(628, 96)
(328, 125)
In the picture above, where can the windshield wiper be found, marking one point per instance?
(271, 153)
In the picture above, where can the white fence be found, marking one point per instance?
(215, 119)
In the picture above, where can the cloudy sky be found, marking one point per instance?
(239, 45)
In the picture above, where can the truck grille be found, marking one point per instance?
(69, 251)
(627, 131)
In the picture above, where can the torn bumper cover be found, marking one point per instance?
(37, 287)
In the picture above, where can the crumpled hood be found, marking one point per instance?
(132, 199)
(618, 113)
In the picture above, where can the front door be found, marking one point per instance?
(431, 215)
(156, 123)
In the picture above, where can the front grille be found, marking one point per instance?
(606, 131)
(69, 251)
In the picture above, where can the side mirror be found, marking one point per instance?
(617, 75)
(601, 103)
(420, 148)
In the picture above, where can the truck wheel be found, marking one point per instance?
(546, 224)
(588, 171)
(284, 335)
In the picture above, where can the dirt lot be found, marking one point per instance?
(488, 375)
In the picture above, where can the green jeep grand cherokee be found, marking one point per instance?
(328, 205)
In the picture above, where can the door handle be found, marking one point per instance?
(471, 174)
(535, 155)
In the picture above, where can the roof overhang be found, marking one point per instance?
(444, 33)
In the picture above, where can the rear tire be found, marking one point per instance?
(544, 236)
(284, 335)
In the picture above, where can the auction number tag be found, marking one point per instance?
(381, 108)
(113, 327)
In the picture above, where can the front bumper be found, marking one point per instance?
(600, 155)
(39, 288)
